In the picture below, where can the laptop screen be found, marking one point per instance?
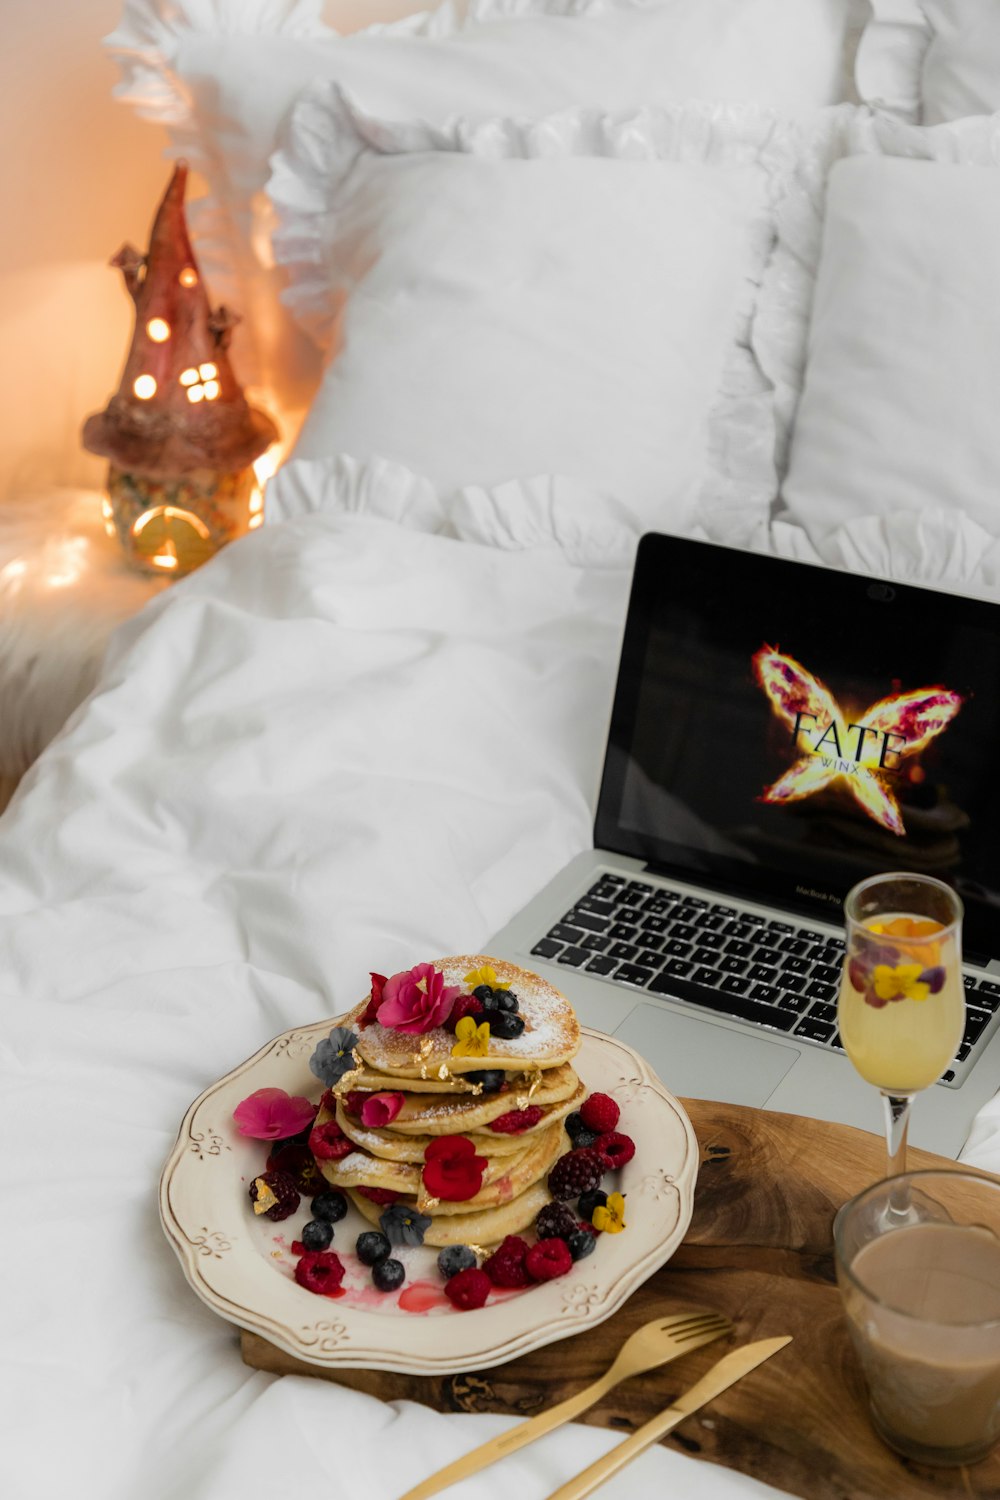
(784, 730)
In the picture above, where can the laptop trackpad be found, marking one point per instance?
(705, 1061)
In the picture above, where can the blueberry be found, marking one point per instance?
(578, 1132)
(455, 1258)
(483, 992)
(388, 1274)
(372, 1247)
(589, 1201)
(492, 1079)
(505, 1025)
(581, 1242)
(329, 1206)
(505, 1000)
(317, 1234)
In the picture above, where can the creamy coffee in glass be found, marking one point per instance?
(918, 1264)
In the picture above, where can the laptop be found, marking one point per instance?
(705, 928)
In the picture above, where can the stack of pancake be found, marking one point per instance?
(440, 1100)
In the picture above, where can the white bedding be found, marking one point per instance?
(343, 745)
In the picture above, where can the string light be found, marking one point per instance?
(188, 277)
(144, 387)
(158, 330)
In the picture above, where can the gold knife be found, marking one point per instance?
(730, 1368)
(546, 1421)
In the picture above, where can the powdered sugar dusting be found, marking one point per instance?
(550, 1026)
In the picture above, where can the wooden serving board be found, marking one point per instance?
(759, 1248)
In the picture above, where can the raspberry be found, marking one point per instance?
(467, 1289)
(274, 1195)
(555, 1222)
(319, 1271)
(465, 1005)
(615, 1149)
(516, 1120)
(548, 1259)
(505, 1267)
(328, 1142)
(600, 1113)
(378, 1195)
(575, 1173)
(353, 1101)
(577, 1130)
(300, 1164)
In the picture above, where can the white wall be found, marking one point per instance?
(79, 173)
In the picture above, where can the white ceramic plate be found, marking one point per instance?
(243, 1266)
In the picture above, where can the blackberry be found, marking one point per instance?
(492, 1079)
(317, 1234)
(388, 1274)
(274, 1195)
(455, 1258)
(589, 1201)
(555, 1221)
(577, 1172)
(329, 1206)
(505, 1025)
(372, 1247)
(579, 1133)
(581, 1242)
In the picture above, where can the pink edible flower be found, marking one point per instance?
(380, 1109)
(374, 1000)
(273, 1115)
(417, 1000)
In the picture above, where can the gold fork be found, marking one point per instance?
(655, 1343)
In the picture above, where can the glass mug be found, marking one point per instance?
(921, 1292)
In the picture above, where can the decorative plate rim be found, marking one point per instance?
(228, 1272)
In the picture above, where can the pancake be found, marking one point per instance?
(551, 1033)
(392, 1147)
(397, 1146)
(483, 1228)
(504, 1178)
(446, 1115)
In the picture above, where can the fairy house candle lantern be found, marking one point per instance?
(179, 432)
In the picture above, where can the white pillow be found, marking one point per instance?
(928, 61)
(898, 412)
(222, 77)
(567, 298)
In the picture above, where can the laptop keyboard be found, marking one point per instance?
(738, 964)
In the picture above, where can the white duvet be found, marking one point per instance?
(345, 745)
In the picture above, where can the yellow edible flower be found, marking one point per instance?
(610, 1216)
(903, 980)
(473, 1040)
(485, 975)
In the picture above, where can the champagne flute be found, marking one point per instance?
(902, 1003)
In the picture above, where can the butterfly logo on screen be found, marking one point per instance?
(834, 749)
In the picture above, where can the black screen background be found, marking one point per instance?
(695, 740)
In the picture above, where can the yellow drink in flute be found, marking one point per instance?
(902, 1004)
